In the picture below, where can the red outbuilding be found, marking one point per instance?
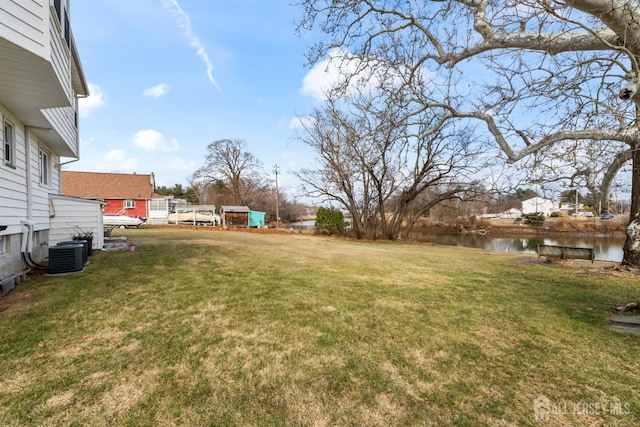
(124, 194)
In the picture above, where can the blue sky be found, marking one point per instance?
(168, 77)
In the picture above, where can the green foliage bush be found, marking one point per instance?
(535, 219)
(330, 221)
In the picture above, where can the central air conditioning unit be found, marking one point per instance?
(65, 259)
(85, 248)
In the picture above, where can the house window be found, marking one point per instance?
(129, 204)
(3, 240)
(61, 10)
(9, 145)
(158, 205)
(57, 5)
(67, 29)
(44, 167)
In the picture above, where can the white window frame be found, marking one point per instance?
(129, 204)
(9, 144)
(154, 205)
(44, 166)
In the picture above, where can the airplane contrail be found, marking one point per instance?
(185, 23)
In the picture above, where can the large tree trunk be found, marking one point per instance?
(632, 244)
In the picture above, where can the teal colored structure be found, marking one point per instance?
(256, 219)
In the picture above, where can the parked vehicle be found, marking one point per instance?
(197, 218)
(122, 221)
(607, 215)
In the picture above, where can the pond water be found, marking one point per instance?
(607, 248)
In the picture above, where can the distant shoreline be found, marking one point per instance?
(515, 230)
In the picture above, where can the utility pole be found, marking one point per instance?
(275, 169)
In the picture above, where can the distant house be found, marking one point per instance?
(569, 208)
(41, 79)
(511, 213)
(124, 194)
(539, 205)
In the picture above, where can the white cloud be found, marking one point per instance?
(152, 140)
(328, 73)
(116, 159)
(157, 91)
(184, 22)
(181, 164)
(340, 65)
(93, 101)
(115, 155)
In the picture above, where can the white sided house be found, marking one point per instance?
(41, 79)
(539, 205)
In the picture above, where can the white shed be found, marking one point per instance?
(71, 216)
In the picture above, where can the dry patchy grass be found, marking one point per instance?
(227, 328)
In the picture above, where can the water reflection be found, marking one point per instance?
(607, 248)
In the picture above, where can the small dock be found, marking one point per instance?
(566, 252)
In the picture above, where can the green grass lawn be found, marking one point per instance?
(204, 327)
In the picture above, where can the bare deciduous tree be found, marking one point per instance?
(388, 156)
(232, 172)
(536, 73)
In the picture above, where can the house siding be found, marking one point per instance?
(60, 55)
(22, 23)
(62, 121)
(40, 192)
(13, 192)
(13, 180)
(31, 26)
(37, 89)
(116, 206)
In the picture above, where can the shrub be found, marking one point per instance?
(610, 226)
(330, 221)
(470, 223)
(535, 219)
(561, 225)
